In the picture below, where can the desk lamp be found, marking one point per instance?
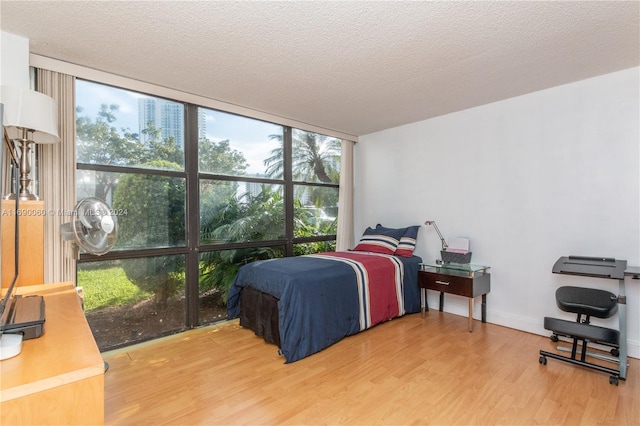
(433, 222)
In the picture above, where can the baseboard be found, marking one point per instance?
(530, 325)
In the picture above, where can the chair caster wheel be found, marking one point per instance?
(543, 360)
(615, 352)
(613, 380)
(554, 338)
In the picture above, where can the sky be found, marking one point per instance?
(249, 136)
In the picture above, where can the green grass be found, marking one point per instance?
(108, 287)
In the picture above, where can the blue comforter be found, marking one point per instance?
(321, 299)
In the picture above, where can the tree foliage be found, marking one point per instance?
(219, 158)
(314, 158)
(157, 148)
(251, 217)
(155, 207)
(101, 142)
(98, 141)
(229, 213)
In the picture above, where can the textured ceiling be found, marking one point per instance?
(353, 67)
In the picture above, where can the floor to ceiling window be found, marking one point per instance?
(198, 193)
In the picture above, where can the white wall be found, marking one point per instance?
(14, 60)
(528, 179)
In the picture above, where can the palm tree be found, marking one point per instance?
(246, 218)
(314, 157)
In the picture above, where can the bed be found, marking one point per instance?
(306, 303)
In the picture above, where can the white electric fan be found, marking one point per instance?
(94, 227)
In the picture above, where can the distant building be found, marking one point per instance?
(166, 116)
(202, 124)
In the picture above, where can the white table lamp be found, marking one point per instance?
(29, 117)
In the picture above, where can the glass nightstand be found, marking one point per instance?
(468, 280)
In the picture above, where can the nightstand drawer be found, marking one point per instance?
(462, 286)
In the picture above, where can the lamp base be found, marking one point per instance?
(22, 197)
(10, 345)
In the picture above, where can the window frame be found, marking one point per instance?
(193, 248)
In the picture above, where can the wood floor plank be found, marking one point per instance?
(411, 370)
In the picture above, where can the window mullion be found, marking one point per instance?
(192, 216)
(288, 189)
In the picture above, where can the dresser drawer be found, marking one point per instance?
(451, 284)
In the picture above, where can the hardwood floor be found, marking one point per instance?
(406, 371)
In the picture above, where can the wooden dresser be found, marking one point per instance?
(30, 216)
(58, 378)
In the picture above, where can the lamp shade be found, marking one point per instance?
(28, 109)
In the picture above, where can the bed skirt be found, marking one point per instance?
(259, 312)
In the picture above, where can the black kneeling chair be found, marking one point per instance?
(585, 302)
